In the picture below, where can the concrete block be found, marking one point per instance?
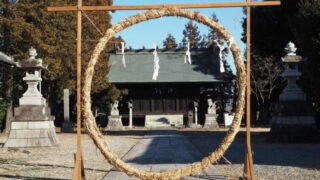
(39, 125)
(53, 137)
(32, 100)
(211, 121)
(12, 134)
(16, 143)
(21, 134)
(228, 119)
(51, 124)
(19, 125)
(43, 133)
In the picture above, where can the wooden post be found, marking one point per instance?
(248, 172)
(77, 172)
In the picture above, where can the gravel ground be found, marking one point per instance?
(58, 162)
(271, 160)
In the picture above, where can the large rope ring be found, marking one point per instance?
(98, 138)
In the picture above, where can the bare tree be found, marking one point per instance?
(265, 79)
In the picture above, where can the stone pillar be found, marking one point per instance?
(67, 126)
(293, 118)
(190, 123)
(32, 124)
(196, 116)
(114, 120)
(228, 115)
(211, 116)
(196, 105)
(130, 106)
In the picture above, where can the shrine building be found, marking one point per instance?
(168, 99)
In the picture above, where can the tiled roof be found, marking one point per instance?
(6, 59)
(139, 66)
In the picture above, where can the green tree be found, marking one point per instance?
(170, 42)
(28, 23)
(212, 36)
(191, 34)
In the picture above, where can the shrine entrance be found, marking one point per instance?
(164, 10)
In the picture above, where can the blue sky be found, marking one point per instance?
(155, 31)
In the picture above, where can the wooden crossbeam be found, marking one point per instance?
(159, 6)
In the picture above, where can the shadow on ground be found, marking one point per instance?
(46, 165)
(265, 153)
(26, 177)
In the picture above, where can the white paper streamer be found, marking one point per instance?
(156, 60)
(230, 42)
(221, 47)
(123, 55)
(188, 55)
(222, 67)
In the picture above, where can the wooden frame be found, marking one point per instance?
(248, 170)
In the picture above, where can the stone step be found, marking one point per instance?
(164, 120)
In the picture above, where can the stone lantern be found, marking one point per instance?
(32, 124)
(33, 68)
(293, 118)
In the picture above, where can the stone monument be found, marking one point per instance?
(211, 116)
(67, 126)
(32, 124)
(293, 117)
(114, 120)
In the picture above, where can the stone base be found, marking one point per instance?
(32, 100)
(32, 126)
(155, 121)
(293, 129)
(67, 127)
(193, 125)
(228, 119)
(211, 121)
(292, 95)
(114, 123)
(32, 134)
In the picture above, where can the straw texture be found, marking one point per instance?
(98, 138)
